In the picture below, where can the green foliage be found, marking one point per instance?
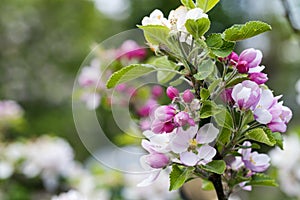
(188, 3)
(208, 109)
(245, 31)
(156, 34)
(224, 118)
(219, 46)
(206, 5)
(262, 180)
(179, 176)
(224, 136)
(164, 63)
(204, 94)
(238, 79)
(215, 166)
(205, 69)
(279, 139)
(260, 135)
(197, 28)
(129, 73)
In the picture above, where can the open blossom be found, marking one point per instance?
(186, 143)
(271, 112)
(254, 161)
(156, 18)
(246, 94)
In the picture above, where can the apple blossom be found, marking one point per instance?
(249, 58)
(156, 18)
(254, 161)
(246, 94)
(183, 118)
(185, 142)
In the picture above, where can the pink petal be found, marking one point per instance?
(207, 134)
(189, 158)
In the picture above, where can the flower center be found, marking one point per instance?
(193, 144)
(251, 160)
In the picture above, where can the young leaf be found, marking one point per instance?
(188, 3)
(206, 5)
(224, 118)
(179, 176)
(244, 31)
(263, 180)
(224, 50)
(207, 185)
(259, 135)
(279, 139)
(129, 73)
(224, 136)
(214, 40)
(205, 69)
(164, 63)
(204, 93)
(197, 28)
(156, 34)
(208, 109)
(214, 84)
(215, 166)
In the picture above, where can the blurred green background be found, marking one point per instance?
(43, 44)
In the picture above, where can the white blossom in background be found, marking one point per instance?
(10, 110)
(71, 195)
(48, 157)
(157, 191)
(288, 163)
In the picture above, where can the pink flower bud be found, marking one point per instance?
(233, 58)
(183, 118)
(226, 95)
(242, 67)
(157, 91)
(172, 92)
(251, 56)
(188, 96)
(159, 127)
(157, 160)
(165, 113)
(258, 77)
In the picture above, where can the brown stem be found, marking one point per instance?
(217, 182)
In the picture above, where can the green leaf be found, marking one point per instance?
(213, 85)
(259, 135)
(197, 28)
(215, 166)
(224, 50)
(208, 109)
(205, 69)
(237, 80)
(262, 180)
(156, 34)
(219, 46)
(224, 118)
(188, 3)
(244, 31)
(279, 139)
(207, 185)
(204, 94)
(214, 40)
(179, 176)
(129, 73)
(206, 5)
(224, 136)
(164, 63)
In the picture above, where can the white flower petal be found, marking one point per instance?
(206, 152)
(180, 141)
(256, 69)
(189, 158)
(150, 179)
(207, 134)
(263, 116)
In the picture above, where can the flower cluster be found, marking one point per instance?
(196, 134)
